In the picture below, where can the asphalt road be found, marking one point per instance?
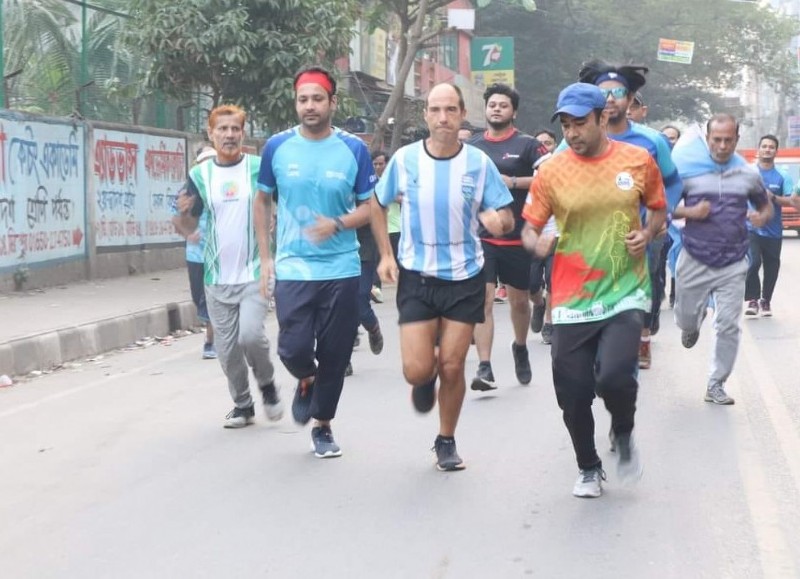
(120, 467)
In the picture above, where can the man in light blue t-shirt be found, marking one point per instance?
(766, 241)
(322, 179)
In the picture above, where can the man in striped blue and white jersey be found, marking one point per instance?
(449, 189)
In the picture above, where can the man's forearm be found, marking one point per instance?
(655, 221)
(261, 221)
(380, 230)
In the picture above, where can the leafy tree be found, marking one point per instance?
(240, 51)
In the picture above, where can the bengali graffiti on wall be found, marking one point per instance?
(136, 180)
(42, 192)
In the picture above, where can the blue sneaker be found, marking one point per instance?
(209, 352)
(301, 405)
(322, 443)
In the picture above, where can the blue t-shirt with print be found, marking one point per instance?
(311, 179)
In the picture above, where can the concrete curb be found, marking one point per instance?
(49, 349)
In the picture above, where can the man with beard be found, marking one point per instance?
(514, 154)
(766, 241)
(237, 261)
(595, 190)
(619, 84)
(323, 179)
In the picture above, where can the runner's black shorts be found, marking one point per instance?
(421, 298)
(511, 264)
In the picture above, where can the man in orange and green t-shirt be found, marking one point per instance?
(601, 285)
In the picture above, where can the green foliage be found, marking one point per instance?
(553, 42)
(240, 51)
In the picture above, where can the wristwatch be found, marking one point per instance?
(339, 224)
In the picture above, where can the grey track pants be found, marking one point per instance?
(696, 282)
(238, 313)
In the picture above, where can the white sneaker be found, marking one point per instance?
(588, 485)
(239, 417)
(629, 465)
(273, 407)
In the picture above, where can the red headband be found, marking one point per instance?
(314, 77)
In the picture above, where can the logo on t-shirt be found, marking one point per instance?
(230, 191)
(467, 187)
(625, 181)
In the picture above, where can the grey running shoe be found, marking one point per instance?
(301, 405)
(547, 334)
(751, 309)
(209, 352)
(446, 454)
(766, 309)
(537, 318)
(689, 339)
(484, 378)
(589, 484)
(424, 396)
(375, 340)
(716, 394)
(322, 443)
(522, 364)
(629, 465)
(273, 406)
(240, 417)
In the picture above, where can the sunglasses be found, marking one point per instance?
(618, 92)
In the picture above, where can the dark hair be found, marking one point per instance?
(320, 70)
(460, 94)
(770, 137)
(721, 118)
(379, 153)
(632, 73)
(673, 127)
(503, 89)
(547, 132)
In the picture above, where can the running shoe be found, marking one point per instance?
(500, 295)
(629, 465)
(209, 352)
(375, 340)
(322, 442)
(240, 417)
(484, 378)
(766, 309)
(752, 308)
(645, 357)
(447, 458)
(522, 364)
(589, 484)
(537, 317)
(716, 394)
(273, 406)
(424, 396)
(301, 405)
(612, 440)
(547, 334)
(376, 295)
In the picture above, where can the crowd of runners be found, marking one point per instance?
(578, 233)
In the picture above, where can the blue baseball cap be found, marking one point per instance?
(578, 100)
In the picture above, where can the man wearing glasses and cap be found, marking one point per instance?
(637, 111)
(600, 283)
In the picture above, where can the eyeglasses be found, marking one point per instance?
(618, 92)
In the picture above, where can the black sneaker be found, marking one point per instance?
(272, 402)
(322, 443)
(484, 378)
(240, 417)
(446, 454)
(547, 334)
(689, 339)
(537, 318)
(424, 397)
(655, 323)
(376, 340)
(301, 405)
(522, 364)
